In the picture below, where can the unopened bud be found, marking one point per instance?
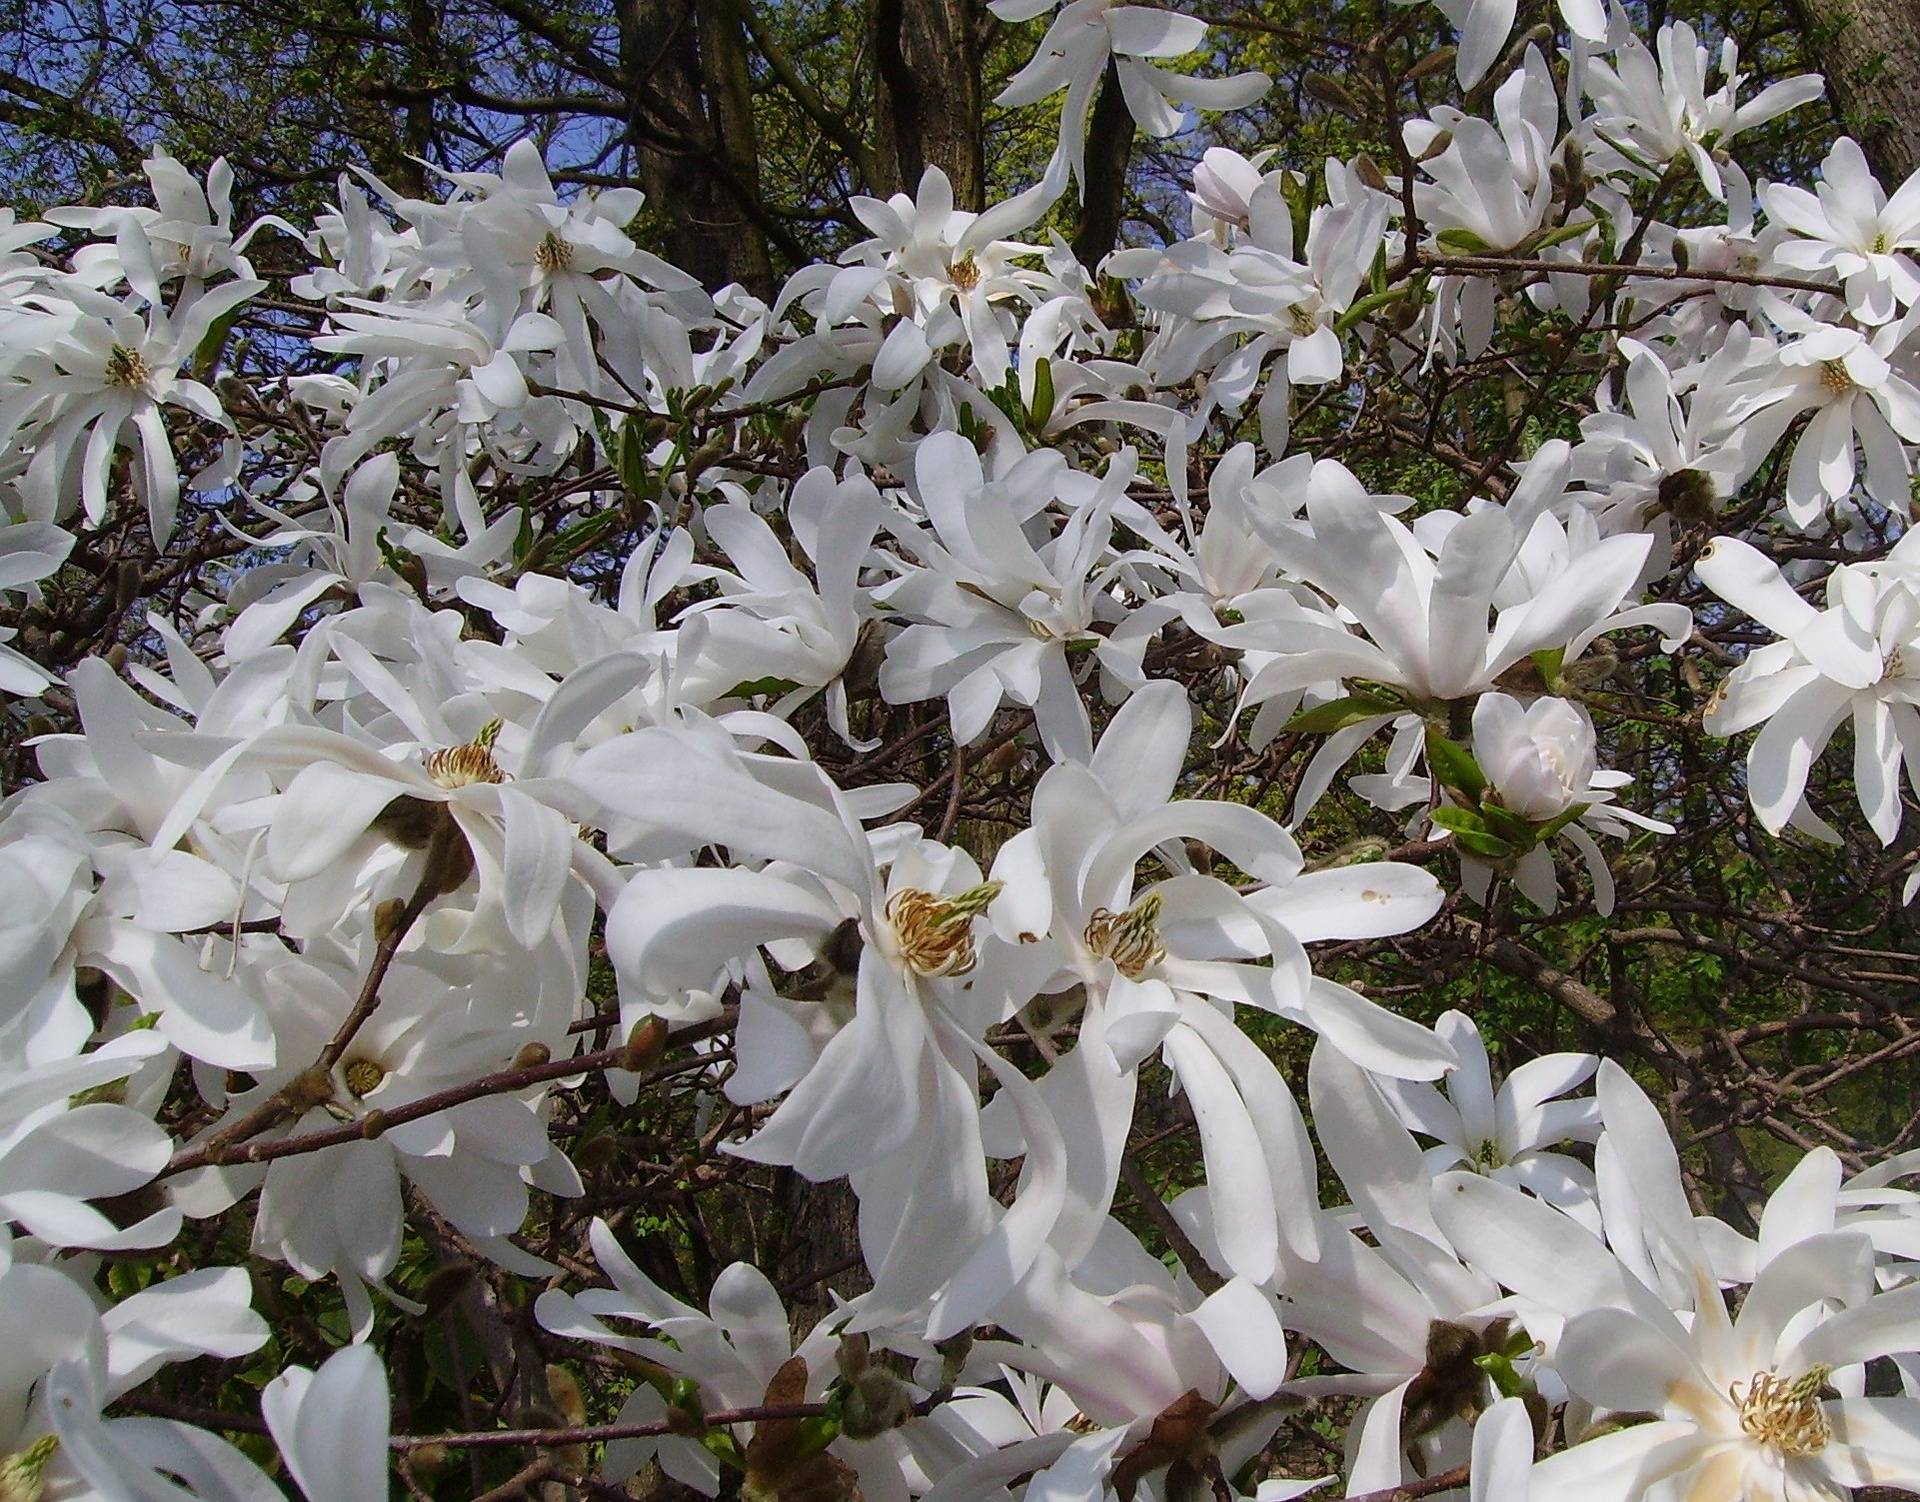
(876, 1402)
(386, 918)
(1437, 146)
(645, 1044)
(1333, 94)
(1434, 62)
(445, 1284)
(532, 1055)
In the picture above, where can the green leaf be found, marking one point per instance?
(1499, 1366)
(1454, 765)
(1323, 719)
(1459, 820)
(1548, 661)
(1486, 846)
(1462, 240)
(1554, 825)
(1560, 234)
(1042, 407)
(752, 687)
(1509, 826)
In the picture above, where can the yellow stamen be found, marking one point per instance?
(1785, 1415)
(1130, 939)
(935, 934)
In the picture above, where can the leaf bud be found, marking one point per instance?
(532, 1055)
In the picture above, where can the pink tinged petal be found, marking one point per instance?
(1242, 1324)
(332, 1426)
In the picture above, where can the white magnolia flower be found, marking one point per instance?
(1513, 1134)
(113, 366)
(1650, 112)
(1858, 656)
(1854, 230)
(332, 1425)
(1074, 53)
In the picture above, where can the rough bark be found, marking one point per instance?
(1869, 51)
(928, 63)
(1109, 148)
(686, 161)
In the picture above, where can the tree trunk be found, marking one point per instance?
(1869, 51)
(928, 62)
(1109, 149)
(686, 164)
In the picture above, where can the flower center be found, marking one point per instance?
(553, 254)
(935, 934)
(1786, 1415)
(1130, 939)
(964, 273)
(1835, 376)
(363, 1077)
(462, 766)
(1880, 245)
(1487, 1156)
(1305, 325)
(23, 1473)
(126, 368)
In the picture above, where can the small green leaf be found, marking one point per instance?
(753, 687)
(1509, 826)
(1554, 825)
(1499, 1366)
(1486, 846)
(1463, 240)
(1042, 407)
(1459, 820)
(1323, 719)
(1454, 765)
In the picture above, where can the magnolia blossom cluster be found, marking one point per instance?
(300, 912)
